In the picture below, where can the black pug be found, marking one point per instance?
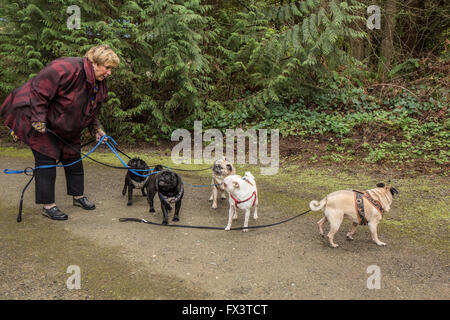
(170, 189)
(134, 181)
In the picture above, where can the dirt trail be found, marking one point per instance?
(135, 260)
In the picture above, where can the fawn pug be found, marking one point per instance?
(221, 169)
(360, 207)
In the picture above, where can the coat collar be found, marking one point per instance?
(89, 70)
(91, 81)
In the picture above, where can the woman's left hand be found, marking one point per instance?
(100, 133)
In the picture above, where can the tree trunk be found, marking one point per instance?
(387, 44)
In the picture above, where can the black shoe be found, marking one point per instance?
(84, 203)
(54, 213)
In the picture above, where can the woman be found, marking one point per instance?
(65, 97)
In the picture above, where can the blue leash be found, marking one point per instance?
(30, 171)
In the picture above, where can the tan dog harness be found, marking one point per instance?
(359, 205)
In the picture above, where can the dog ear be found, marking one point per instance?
(380, 185)
(229, 167)
(394, 191)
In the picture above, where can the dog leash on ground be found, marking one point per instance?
(209, 227)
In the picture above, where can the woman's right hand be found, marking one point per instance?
(39, 126)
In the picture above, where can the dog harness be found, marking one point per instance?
(139, 185)
(359, 205)
(236, 202)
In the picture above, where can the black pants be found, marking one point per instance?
(46, 177)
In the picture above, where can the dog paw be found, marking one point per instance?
(349, 238)
(255, 217)
(381, 244)
(244, 230)
(129, 203)
(227, 228)
(175, 219)
(165, 223)
(214, 206)
(335, 245)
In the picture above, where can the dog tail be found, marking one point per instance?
(316, 205)
(249, 174)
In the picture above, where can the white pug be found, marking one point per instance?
(221, 169)
(243, 195)
(336, 205)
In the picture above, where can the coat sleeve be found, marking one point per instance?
(44, 87)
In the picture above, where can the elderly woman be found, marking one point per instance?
(65, 97)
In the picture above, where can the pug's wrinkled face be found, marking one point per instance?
(167, 180)
(223, 167)
(231, 183)
(136, 163)
(392, 190)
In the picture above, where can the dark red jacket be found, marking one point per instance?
(61, 95)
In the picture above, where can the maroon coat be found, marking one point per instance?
(62, 95)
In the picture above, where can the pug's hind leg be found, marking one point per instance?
(150, 196)
(352, 231)
(144, 194)
(320, 223)
(125, 186)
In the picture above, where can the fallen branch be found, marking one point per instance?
(394, 85)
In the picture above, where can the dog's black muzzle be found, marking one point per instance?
(217, 169)
(394, 191)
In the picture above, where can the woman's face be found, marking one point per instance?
(101, 71)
